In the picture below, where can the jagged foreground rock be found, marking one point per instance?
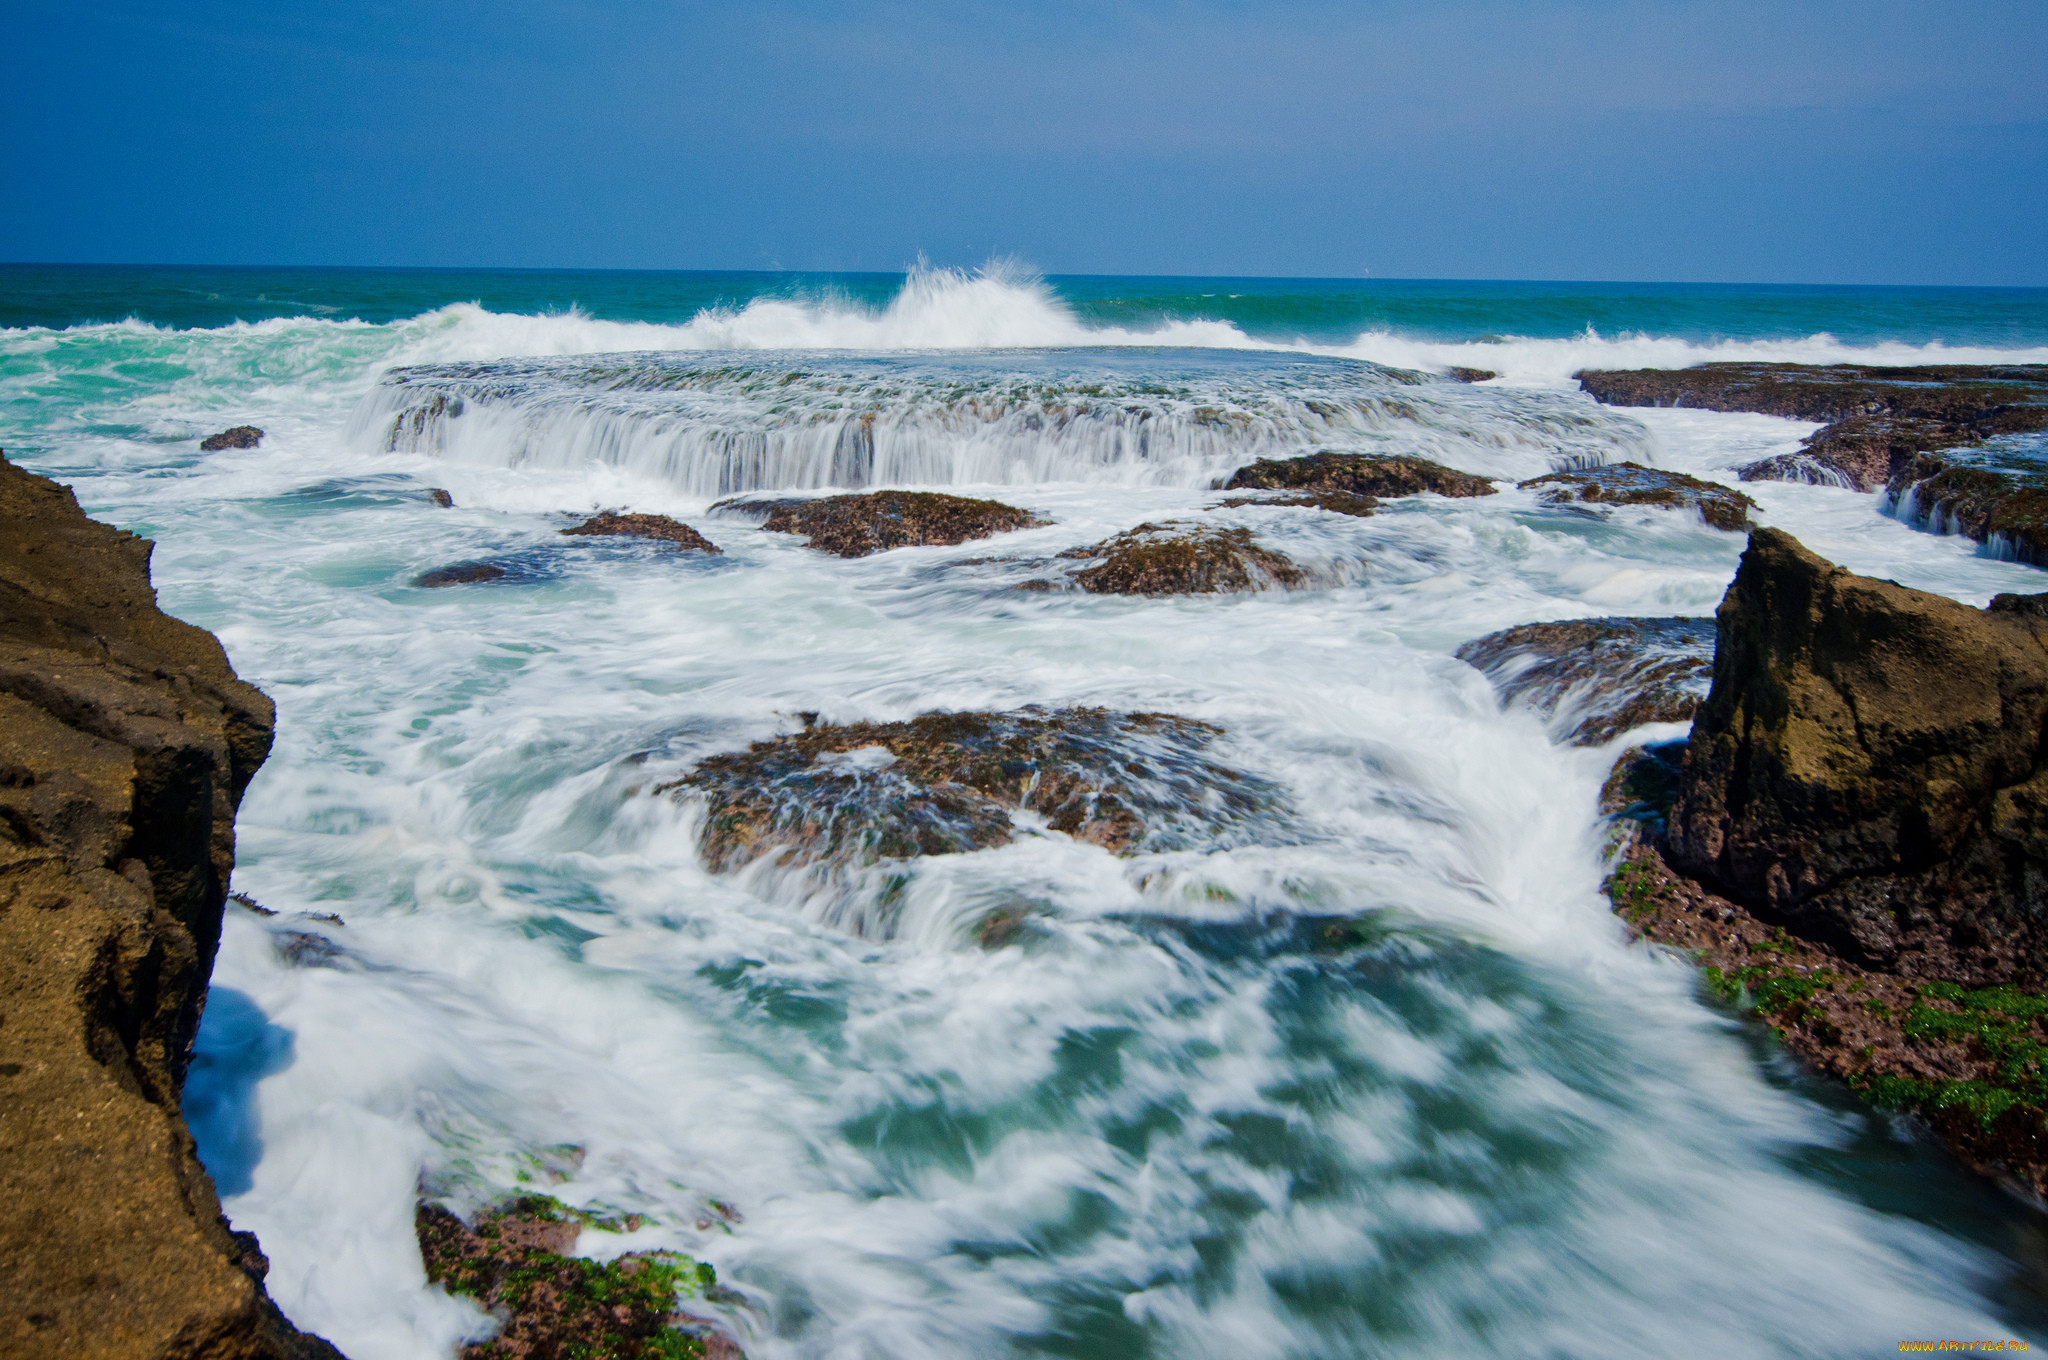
(125, 743)
(1857, 841)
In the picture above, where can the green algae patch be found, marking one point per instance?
(515, 1261)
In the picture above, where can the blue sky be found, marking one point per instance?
(1819, 143)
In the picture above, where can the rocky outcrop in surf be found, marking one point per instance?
(1336, 502)
(947, 783)
(240, 437)
(872, 522)
(1594, 679)
(660, 528)
(126, 741)
(1357, 474)
(1855, 841)
(1180, 557)
(1632, 484)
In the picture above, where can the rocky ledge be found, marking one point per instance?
(1633, 484)
(872, 522)
(1854, 841)
(516, 1261)
(1336, 502)
(1357, 474)
(950, 782)
(1886, 427)
(126, 741)
(1594, 679)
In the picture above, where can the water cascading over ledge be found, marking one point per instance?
(718, 425)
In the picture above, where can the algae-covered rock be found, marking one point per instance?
(1632, 484)
(1597, 678)
(126, 741)
(1868, 767)
(872, 522)
(662, 529)
(950, 782)
(240, 437)
(1184, 558)
(1357, 474)
(1978, 502)
(515, 1261)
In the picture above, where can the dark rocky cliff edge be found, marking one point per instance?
(1855, 842)
(125, 744)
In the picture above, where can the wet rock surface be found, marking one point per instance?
(1633, 484)
(949, 782)
(240, 437)
(1593, 679)
(660, 528)
(440, 496)
(1357, 474)
(1868, 767)
(872, 522)
(515, 1260)
(1181, 557)
(460, 574)
(1458, 373)
(126, 741)
(2009, 508)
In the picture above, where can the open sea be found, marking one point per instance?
(1179, 1116)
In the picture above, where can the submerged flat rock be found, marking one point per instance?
(1336, 502)
(460, 574)
(1357, 474)
(1594, 679)
(947, 783)
(662, 529)
(1633, 484)
(876, 521)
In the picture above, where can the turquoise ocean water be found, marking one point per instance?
(1175, 1117)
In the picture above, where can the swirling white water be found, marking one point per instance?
(1186, 1116)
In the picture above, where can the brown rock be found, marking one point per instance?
(440, 496)
(1633, 484)
(1868, 768)
(872, 522)
(611, 523)
(1457, 373)
(125, 743)
(1182, 558)
(1357, 474)
(240, 437)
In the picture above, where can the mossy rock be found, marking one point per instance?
(876, 521)
(514, 1261)
(1598, 678)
